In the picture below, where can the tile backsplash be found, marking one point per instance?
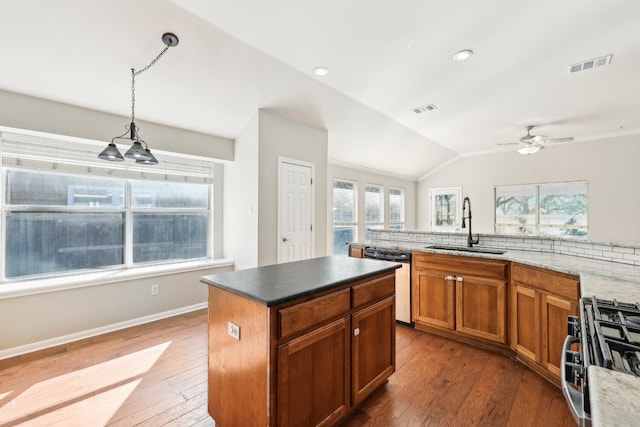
(615, 252)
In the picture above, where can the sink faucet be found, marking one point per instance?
(470, 240)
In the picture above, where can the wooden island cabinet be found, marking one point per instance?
(299, 344)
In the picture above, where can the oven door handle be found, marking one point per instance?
(574, 397)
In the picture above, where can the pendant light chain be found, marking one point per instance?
(134, 73)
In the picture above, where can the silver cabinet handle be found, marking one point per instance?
(449, 278)
(459, 279)
(356, 332)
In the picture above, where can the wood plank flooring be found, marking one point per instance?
(155, 375)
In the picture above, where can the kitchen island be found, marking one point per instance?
(299, 343)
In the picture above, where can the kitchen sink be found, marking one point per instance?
(467, 249)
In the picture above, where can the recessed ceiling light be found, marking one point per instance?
(321, 71)
(462, 55)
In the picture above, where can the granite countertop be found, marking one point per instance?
(278, 283)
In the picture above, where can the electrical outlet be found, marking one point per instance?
(233, 330)
(155, 290)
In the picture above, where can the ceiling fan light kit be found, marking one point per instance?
(529, 149)
(142, 155)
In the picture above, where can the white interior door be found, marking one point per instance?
(295, 211)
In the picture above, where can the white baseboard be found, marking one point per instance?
(41, 345)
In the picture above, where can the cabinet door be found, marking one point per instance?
(434, 299)
(554, 329)
(525, 322)
(314, 376)
(374, 357)
(480, 308)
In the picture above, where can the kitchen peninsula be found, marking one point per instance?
(299, 343)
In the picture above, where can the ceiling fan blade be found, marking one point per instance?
(508, 143)
(556, 140)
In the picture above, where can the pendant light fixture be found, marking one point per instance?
(140, 154)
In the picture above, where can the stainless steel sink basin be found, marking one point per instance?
(468, 249)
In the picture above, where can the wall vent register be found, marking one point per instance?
(590, 64)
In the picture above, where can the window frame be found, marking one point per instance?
(353, 225)
(377, 225)
(196, 170)
(537, 226)
(402, 208)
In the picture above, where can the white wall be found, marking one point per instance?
(610, 166)
(362, 177)
(240, 205)
(281, 137)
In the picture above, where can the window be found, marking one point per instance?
(396, 209)
(446, 208)
(170, 221)
(345, 223)
(373, 209)
(555, 209)
(64, 212)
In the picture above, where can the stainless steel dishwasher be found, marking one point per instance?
(403, 278)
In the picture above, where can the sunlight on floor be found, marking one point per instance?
(94, 393)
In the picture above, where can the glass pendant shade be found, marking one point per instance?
(151, 160)
(529, 149)
(136, 152)
(111, 153)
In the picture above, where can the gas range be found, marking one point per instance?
(611, 334)
(608, 332)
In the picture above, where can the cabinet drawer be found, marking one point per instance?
(461, 265)
(560, 284)
(374, 290)
(299, 317)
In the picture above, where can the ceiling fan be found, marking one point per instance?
(531, 144)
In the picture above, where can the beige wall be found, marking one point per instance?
(240, 200)
(362, 177)
(251, 187)
(29, 321)
(610, 166)
(281, 137)
(40, 320)
(25, 112)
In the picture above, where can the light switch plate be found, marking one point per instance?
(233, 330)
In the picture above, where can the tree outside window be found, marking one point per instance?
(554, 209)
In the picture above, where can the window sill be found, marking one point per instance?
(38, 286)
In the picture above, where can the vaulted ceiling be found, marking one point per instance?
(385, 58)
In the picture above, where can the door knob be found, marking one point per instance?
(284, 239)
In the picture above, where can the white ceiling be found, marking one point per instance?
(385, 57)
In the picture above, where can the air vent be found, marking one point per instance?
(590, 64)
(424, 109)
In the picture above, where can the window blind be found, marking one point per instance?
(81, 157)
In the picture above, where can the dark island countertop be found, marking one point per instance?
(279, 283)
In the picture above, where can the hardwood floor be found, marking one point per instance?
(155, 375)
